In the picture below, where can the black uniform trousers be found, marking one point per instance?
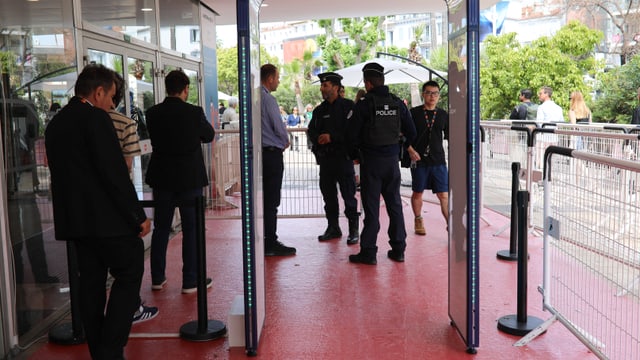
(107, 330)
(380, 175)
(272, 172)
(338, 170)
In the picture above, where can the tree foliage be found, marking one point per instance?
(625, 18)
(228, 67)
(617, 91)
(560, 62)
(364, 34)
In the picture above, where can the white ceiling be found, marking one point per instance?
(291, 10)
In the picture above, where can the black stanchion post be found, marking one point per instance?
(202, 329)
(520, 324)
(511, 254)
(70, 333)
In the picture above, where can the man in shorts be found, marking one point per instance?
(429, 171)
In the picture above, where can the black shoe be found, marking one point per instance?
(278, 249)
(354, 232)
(395, 255)
(331, 233)
(360, 258)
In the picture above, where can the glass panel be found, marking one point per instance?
(37, 70)
(141, 98)
(179, 26)
(136, 19)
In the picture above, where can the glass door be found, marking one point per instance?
(138, 68)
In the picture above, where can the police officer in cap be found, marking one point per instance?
(380, 119)
(327, 133)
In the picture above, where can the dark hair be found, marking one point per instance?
(55, 106)
(119, 90)
(92, 77)
(430, 83)
(267, 70)
(526, 93)
(175, 82)
(375, 80)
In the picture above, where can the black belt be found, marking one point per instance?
(271, 148)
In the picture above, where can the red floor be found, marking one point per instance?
(319, 306)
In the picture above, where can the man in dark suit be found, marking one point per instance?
(95, 205)
(176, 173)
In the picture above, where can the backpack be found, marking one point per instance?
(532, 111)
(384, 126)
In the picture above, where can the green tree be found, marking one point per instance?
(559, 62)
(364, 34)
(618, 92)
(228, 67)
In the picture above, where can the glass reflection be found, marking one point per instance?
(141, 98)
(180, 27)
(37, 74)
(135, 19)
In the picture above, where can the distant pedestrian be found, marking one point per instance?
(548, 111)
(525, 110)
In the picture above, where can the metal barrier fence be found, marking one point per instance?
(592, 250)
(300, 194)
(525, 142)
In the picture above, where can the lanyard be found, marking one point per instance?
(431, 120)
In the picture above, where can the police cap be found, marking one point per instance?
(373, 69)
(330, 76)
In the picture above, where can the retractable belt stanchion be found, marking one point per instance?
(511, 254)
(520, 324)
(70, 333)
(202, 329)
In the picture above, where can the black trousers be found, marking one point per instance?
(272, 172)
(335, 170)
(107, 329)
(381, 176)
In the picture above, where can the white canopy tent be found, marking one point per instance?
(395, 72)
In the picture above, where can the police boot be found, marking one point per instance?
(333, 231)
(354, 231)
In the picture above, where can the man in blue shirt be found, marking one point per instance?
(274, 141)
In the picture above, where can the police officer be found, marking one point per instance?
(327, 131)
(379, 120)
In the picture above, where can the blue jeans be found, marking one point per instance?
(162, 218)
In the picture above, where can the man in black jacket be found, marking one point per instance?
(379, 120)
(525, 110)
(327, 132)
(95, 205)
(176, 173)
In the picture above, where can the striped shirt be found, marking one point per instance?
(127, 131)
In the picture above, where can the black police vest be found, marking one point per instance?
(384, 125)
